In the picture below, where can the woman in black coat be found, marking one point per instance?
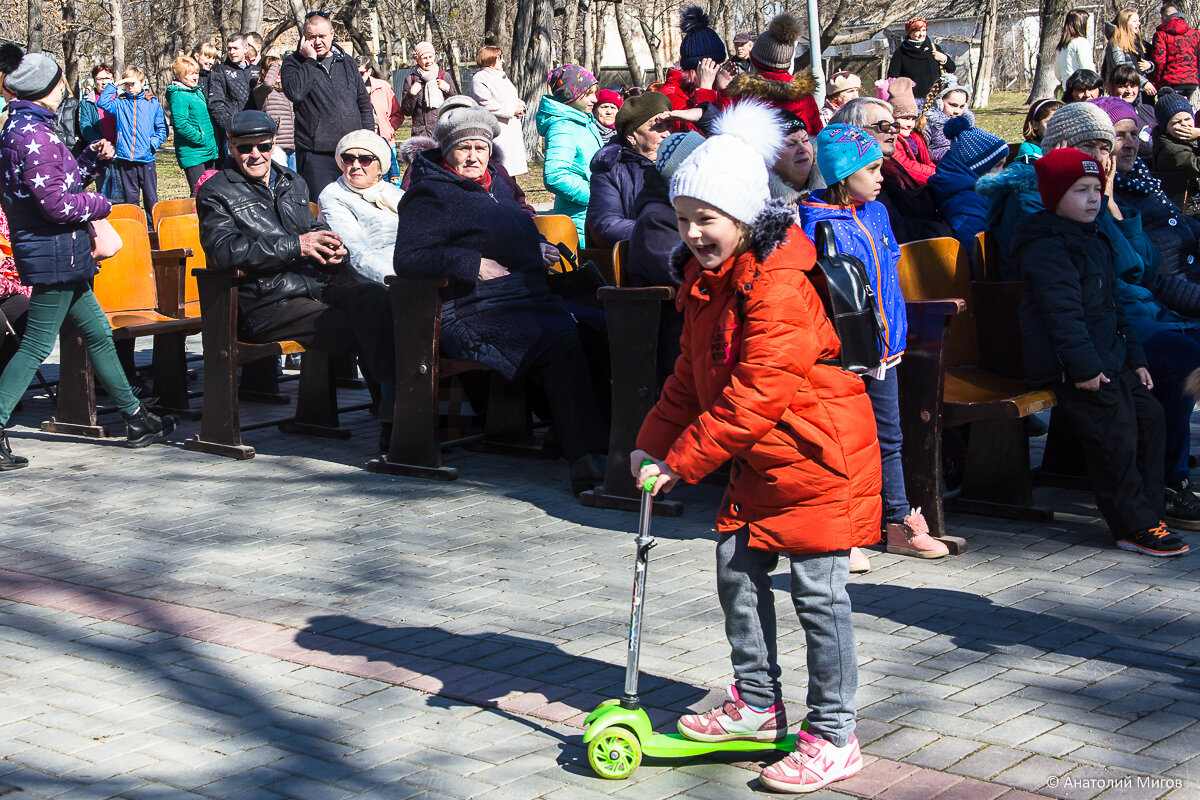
(919, 59)
(459, 222)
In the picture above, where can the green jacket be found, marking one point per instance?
(572, 138)
(195, 141)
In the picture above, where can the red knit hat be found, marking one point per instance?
(608, 96)
(1058, 170)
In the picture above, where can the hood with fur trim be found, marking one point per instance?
(752, 84)
(1016, 177)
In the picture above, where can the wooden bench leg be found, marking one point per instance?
(171, 376)
(507, 426)
(220, 427)
(260, 382)
(345, 368)
(76, 411)
(997, 481)
(316, 406)
(633, 344)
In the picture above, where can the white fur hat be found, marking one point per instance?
(730, 170)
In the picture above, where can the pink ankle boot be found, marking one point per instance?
(911, 538)
(858, 561)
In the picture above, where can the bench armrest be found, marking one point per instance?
(946, 307)
(168, 268)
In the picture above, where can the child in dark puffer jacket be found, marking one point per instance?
(973, 153)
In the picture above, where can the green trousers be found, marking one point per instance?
(48, 308)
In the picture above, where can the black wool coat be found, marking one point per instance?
(447, 223)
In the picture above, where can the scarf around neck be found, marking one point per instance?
(484, 180)
(377, 195)
(433, 93)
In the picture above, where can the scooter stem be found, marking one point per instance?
(644, 542)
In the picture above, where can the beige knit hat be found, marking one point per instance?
(841, 81)
(370, 141)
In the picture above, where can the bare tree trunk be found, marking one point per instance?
(598, 36)
(654, 42)
(987, 57)
(224, 25)
(635, 69)
(361, 38)
(495, 32)
(570, 31)
(34, 20)
(252, 16)
(189, 25)
(298, 12)
(532, 46)
(285, 24)
(118, 36)
(70, 44)
(1053, 13)
(589, 37)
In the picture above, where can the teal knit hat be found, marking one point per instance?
(843, 150)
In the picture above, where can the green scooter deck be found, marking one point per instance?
(668, 745)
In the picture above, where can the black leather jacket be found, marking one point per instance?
(256, 228)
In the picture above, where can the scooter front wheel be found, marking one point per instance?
(615, 753)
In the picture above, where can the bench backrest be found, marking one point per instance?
(127, 211)
(558, 229)
(184, 231)
(126, 281)
(935, 269)
(171, 208)
(620, 255)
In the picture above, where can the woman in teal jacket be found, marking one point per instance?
(195, 142)
(572, 138)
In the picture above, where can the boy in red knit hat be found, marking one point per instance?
(1077, 343)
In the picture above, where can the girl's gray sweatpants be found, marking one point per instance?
(823, 606)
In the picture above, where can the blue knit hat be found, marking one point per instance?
(843, 150)
(699, 40)
(1170, 103)
(973, 148)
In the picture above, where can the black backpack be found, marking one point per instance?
(849, 300)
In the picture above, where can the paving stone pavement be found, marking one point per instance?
(175, 625)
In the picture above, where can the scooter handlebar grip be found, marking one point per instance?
(648, 484)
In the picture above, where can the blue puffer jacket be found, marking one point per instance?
(41, 192)
(864, 232)
(572, 138)
(141, 125)
(618, 175)
(1011, 196)
(953, 187)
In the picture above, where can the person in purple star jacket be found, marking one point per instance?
(42, 192)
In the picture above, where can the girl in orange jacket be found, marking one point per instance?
(757, 383)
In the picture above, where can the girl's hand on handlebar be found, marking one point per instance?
(666, 478)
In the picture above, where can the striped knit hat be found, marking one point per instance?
(973, 148)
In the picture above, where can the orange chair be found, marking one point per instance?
(558, 229)
(178, 232)
(127, 211)
(620, 254)
(171, 208)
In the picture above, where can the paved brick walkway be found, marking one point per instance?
(175, 625)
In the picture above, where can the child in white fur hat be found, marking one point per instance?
(758, 382)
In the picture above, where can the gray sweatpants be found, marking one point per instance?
(823, 606)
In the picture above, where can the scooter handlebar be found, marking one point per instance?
(648, 484)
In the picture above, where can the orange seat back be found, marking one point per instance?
(172, 208)
(937, 269)
(126, 281)
(184, 231)
(987, 262)
(558, 229)
(127, 211)
(620, 256)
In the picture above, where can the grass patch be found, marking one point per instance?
(1005, 115)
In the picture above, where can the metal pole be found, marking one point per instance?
(814, 51)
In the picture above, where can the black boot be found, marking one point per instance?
(1182, 506)
(7, 460)
(587, 472)
(144, 427)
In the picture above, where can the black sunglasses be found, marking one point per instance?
(262, 147)
(366, 160)
(312, 14)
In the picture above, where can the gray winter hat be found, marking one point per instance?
(775, 48)
(1078, 122)
(30, 76)
(463, 122)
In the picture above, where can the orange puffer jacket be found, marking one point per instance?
(806, 474)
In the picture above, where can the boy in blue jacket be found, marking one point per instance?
(141, 130)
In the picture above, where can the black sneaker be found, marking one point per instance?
(7, 460)
(1158, 542)
(1182, 507)
(143, 427)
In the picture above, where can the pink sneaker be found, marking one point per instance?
(911, 538)
(859, 563)
(813, 765)
(735, 720)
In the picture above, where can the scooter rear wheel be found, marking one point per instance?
(615, 753)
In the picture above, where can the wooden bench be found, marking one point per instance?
(171, 208)
(415, 449)
(137, 289)
(946, 382)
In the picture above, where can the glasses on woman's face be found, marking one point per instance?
(364, 160)
(883, 126)
(262, 147)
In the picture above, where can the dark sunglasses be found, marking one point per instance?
(312, 14)
(366, 160)
(262, 147)
(883, 126)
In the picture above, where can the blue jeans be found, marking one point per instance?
(1172, 356)
(885, 401)
(823, 606)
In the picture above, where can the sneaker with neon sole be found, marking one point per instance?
(813, 765)
(733, 719)
(1159, 542)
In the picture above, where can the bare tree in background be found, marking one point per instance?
(34, 23)
(987, 56)
(626, 34)
(116, 8)
(1052, 13)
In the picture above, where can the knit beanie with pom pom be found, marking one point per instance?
(775, 49)
(974, 148)
(699, 40)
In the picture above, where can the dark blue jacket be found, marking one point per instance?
(447, 223)
(42, 194)
(953, 187)
(1073, 326)
(618, 174)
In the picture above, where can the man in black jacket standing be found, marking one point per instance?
(255, 216)
(230, 84)
(330, 99)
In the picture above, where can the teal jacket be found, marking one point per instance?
(572, 138)
(195, 141)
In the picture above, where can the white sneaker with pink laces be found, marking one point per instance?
(814, 764)
(733, 719)
(911, 538)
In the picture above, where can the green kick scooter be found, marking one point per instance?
(619, 731)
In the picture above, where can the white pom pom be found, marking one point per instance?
(755, 123)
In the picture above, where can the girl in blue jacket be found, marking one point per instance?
(141, 130)
(850, 160)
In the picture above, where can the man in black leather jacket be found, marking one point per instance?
(255, 217)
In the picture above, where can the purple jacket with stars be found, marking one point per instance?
(42, 194)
